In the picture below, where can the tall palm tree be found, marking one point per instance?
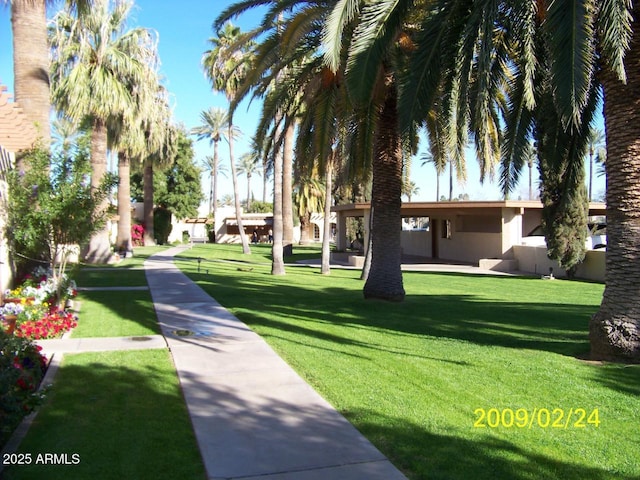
(596, 142)
(248, 165)
(287, 188)
(31, 59)
(211, 165)
(557, 65)
(96, 61)
(226, 64)
(213, 127)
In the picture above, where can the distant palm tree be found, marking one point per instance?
(410, 189)
(596, 141)
(440, 165)
(96, 63)
(226, 64)
(214, 169)
(308, 198)
(227, 199)
(248, 165)
(214, 127)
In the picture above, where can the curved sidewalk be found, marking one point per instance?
(253, 416)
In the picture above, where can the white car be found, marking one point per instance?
(596, 239)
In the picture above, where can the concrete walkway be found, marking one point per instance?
(253, 416)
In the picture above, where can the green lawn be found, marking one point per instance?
(121, 413)
(115, 314)
(412, 376)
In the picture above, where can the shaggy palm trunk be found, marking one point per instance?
(147, 197)
(123, 241)
(236, 196)
(99, 249)
(385, 277)
(326, 234)
(287, 191)
(31, 63)
(615, 329)
(214, 190)
(305, 228)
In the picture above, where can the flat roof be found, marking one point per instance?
(415, 209)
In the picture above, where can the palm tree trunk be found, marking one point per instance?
(236, 195)
(450, 180)
(287, 191)
(147, 182)
(305, 227)
(215, 190)
(590, 172)
(614, 331)
(31, 63)
(248, 192)
(99, 249)
(123, 241)
(366, 267)
(277, 260)
(265, 181)
(385, 278)
(437, 187)
(326, 233)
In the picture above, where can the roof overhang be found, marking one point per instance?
(427, 209)
(16, 131)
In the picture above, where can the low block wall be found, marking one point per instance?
(534, 260)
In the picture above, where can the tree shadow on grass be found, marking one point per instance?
(422, 454)
(123, 421)
(553, 327)
(560, 328)
(122, 413)
(126, 313)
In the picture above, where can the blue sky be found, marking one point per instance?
(184, 29)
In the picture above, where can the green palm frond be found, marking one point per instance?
(614, 33)
(374, 40)
(342, 15)
(570, 26)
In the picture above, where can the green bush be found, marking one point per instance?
(22, 368)
(161, 225)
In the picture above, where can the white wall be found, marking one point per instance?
(534, 260)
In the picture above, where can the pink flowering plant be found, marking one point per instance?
(137, 235)
(22, 367)
(51, 325)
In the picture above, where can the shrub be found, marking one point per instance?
(22, 368)
(162, 225)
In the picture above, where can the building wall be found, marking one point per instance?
(416, 242)
(534, 260)
(6, 274)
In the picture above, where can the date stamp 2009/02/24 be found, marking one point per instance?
(536, 417)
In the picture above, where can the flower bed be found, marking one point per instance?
(34, 305)
(22, 368)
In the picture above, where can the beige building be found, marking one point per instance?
(485, 233)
